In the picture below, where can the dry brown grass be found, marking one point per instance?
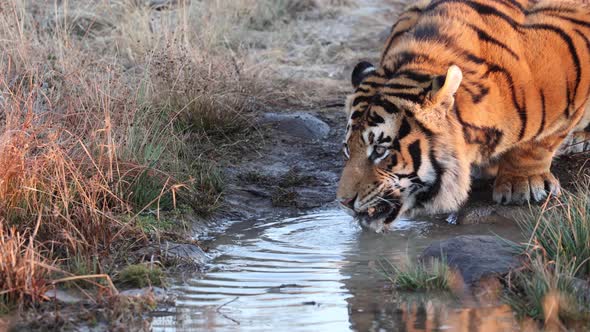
(24, 271)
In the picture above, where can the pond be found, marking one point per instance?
(322, 272)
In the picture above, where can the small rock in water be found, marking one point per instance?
(67, 297)
(159, 294)
(310, 303)
(453, 218)
(188, 253)
(476, 256)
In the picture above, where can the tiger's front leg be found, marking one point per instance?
(525, 172)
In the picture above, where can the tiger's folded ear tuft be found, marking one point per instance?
(360, 72)
(441, 96)
(445, 87)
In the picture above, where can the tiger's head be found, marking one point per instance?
(402, 149)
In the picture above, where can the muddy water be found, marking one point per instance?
(321, 272)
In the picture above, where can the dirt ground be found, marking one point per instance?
(303, 144)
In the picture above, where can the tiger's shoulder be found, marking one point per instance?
(405, 22)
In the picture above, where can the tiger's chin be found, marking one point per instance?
(378, 218)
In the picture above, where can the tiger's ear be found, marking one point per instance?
(360, 72)
(444, 87)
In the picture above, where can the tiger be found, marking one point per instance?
(464, 84)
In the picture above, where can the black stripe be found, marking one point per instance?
(488, 138)
(522, 112)
(468, 89)
(487, 38)
(404, 58)
(476, 97)
(392, 39)
(587, 41)
(356, 114)
(549, 9)
(483, 91)
(414, 76)
(388, 106)
(429, 31)
(570, 44)
(395, 145)
(404, 129)
(416, 155)
(543, 112)
(571, 19)
(479, 8)
(378, 85)
(393, 162)
(450, 43)
(423, 129)
(520, 109)
(569, 100)
(414, 98)
(512, 3)
(372, 84)
(400, 20)
(399, 86)
(414, 10)
(415, 179)
(433, 189)
(385, 139)
(374, 119)
(361, 99)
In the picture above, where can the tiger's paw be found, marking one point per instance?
(514, 189)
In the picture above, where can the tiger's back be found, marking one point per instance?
(526, 66)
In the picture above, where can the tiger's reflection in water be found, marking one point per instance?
(434, 315)
(374, 306)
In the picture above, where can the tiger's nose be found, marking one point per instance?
(348, 202)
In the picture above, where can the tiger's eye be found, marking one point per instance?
(380, 150)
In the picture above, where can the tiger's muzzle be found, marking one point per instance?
(376, 217)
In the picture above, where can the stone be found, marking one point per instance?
(185, 252)
(66, 297)
(298, 124)
(159, 294)
(476, 257)
(582, 289)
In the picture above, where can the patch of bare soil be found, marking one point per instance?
(304, 142)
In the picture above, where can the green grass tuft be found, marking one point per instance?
(140, 276)
(433, 275)
(533, 287)
(558, 265)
